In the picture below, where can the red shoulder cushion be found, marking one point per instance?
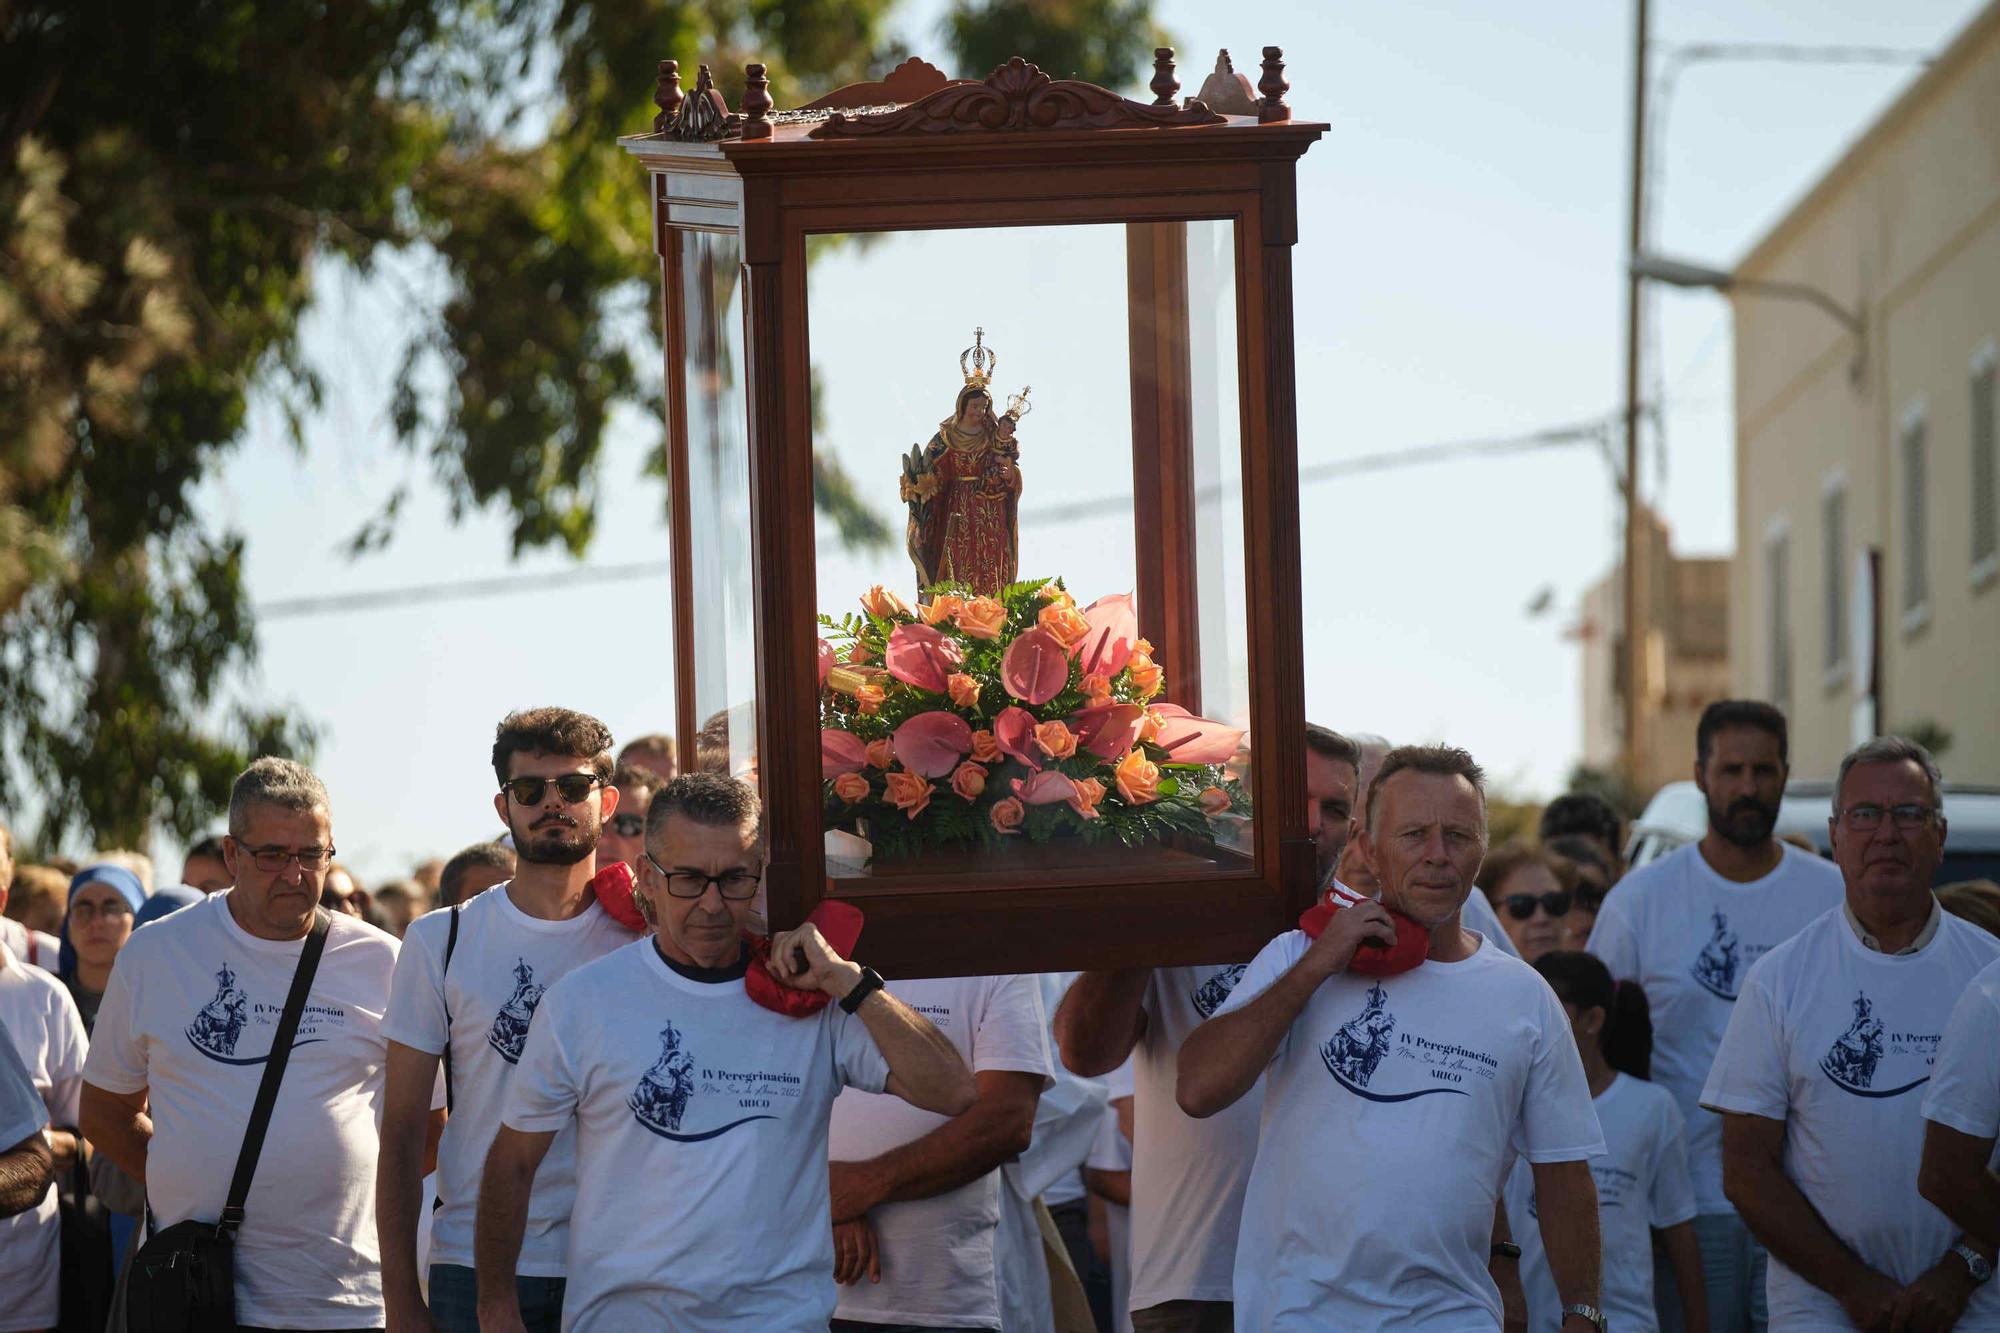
(1412, 946)
(839, 924)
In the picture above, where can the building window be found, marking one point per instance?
(1833, 577)
(1985, 467)
(1777, 597)
(1913, 448)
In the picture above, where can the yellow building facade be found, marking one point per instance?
(1867, 564)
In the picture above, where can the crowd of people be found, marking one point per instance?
(567, 1079)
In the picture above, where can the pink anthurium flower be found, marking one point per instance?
(840, 752)
(1036, 667)
(1045, 789)
(825, 660)
(1108, 730)
(1114, 625)
(933, 743)
(1188, 739)
(921, 656)
(1014, 733)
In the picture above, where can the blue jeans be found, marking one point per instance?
(1732, 1269)
(455, 1300)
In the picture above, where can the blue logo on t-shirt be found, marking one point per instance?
(661, 1099)
(510, 1025)
(1208, 997)
(1851, 1062)
(1715, 966)
(217, 1028)
(1359, 1046)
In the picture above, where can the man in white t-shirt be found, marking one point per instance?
(916, 1195)
(699, 1115)
(1687, 927)
(506, 947)
(1834, 1034)
(179, 1049)
(1394, 1107)
(1188, 1175)
(40, 1022)
(1962, 1108)
(32, 947)
(25, 1163)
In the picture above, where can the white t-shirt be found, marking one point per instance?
(504, 963)
(32, 947)
(937, 1253)
(189, 1016)
(701, 1189)
(1964, 1092)
(22, 1111)
(1835, 1040)
(1688, 937)
(44, 1029)
(1188, 1175)
(1642, 1183)
(1393, 1110)
(1112, 1151)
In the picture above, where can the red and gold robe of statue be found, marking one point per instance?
(967, 532)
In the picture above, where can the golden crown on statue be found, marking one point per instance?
(977, 361)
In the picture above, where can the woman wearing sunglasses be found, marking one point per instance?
(1531, 892)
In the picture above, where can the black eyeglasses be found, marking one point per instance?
(735, 885)
(1521, 906)
(1864, 818)
(628, 826)
(572, 787)
(83, 913)
(273, 860)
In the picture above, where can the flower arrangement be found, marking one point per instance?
(981, 722)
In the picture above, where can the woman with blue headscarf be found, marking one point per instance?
(104, 901)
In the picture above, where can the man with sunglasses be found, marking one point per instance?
(625, 831)
(512, 943)
(1824, 1068)
(699, 1115)
(1687, 928)
(179, 1050)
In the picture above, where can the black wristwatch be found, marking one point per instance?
(871, 981)
(1975, 1263)
(1505, 1249)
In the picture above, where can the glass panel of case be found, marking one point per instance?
(987, 699)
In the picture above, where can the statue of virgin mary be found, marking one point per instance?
(963, 488)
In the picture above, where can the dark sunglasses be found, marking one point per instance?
(628, 826)
(1521, 906)
(572, 787)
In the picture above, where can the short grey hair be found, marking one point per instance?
(285, 783)
(706, 798)
(1437, 760)
(1892, 750)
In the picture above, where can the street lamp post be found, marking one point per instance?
(1682, 273)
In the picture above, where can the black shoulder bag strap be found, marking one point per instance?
(444, 973)
(274, 1072)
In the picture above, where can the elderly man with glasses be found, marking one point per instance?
(699, 1113)
(466, 989)
(1822, 1072)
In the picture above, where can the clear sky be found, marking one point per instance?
(1458, 276)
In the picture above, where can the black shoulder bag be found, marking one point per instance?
(183, 1280)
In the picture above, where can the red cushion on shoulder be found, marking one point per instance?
(839, 925)
(613, 887)
(1412, 946)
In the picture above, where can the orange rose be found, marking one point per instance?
(1089, 791)
(881, 753)
(968, 781)
(1055, 596)
(943, 607)
(1097, 686)
(1007, 815)
(1214, 801)
(982, 618)
(859, 653)
(1147, 675)
(1142, 646)
(908, 792)
(984, 748)
(1055, 740)
(1149, 728)
(879, 601)
(868, 698)
(1065, 622)
(1138, 779)
(964, 690)
(851, 787)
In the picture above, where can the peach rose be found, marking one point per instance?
(1007, 815)
(868, 698)
(881, 753)
(851, 787)
(943, 607)
(969, 781)
(1138, 779)
(908, 792)
(1055, 740)
(982, 618)
(1089, 791)
(1142, 646)
(1097, 686)
(1065, 622)
(1149, 728)
(1214, 801)
(1055, 596)
(860, 653)
(963, 689)
(1147, 675)
(879, 601)
(984, 748)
